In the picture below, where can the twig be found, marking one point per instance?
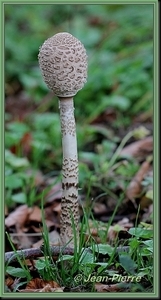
(26, 234)
(36, 252)
(33, 253)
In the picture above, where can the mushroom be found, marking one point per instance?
(63, 63)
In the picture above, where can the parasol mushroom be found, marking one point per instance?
(63, 63)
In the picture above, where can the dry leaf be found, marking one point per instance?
(54, 193)
(38, 244)
(9, 281)
(113, 232)
(56, 207)
(139, 149)
(97, 228)
(52, 214)
(125, 223)
(100, 208)
(49, 289)
(46, 289)
(54, 239)
(112, 288)
(12, 283)
(145, 202)
(134, 189)
(38, 283)
(18, 217)
(35, 214)
(147, 215)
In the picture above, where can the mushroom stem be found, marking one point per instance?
(69, 204)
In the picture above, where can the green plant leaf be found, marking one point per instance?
(16, 272)
(146, 251)
(148, 243)
(127, 263)
(117, 101)
(86, 258)
(103, 249)
(18, 127)
(149, 194)
(14, 161)
(148, 246)
(19, 198)
(145, 271)
(65, 257)
(141, 232)
(40, 264)
(13, 182)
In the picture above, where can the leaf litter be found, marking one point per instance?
(24, 223)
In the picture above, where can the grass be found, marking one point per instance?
(119, 111)
(93, 262)
(19, 272)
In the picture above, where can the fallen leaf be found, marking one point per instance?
(135, 188)
(147, 215)
(12, 283)
(113, 232)
(46, 289)
(49, 289)
(38, 283)
(144, 202)
(125, 223)
(18, 217)
(38, 244)
(99, 208)
(54, 239)
(54, 193)
(112, 288)
(9, 281)
(52, 214)
(139, 149)
(35, 214)
(97, 229)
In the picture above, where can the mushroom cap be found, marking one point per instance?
(63, 63)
